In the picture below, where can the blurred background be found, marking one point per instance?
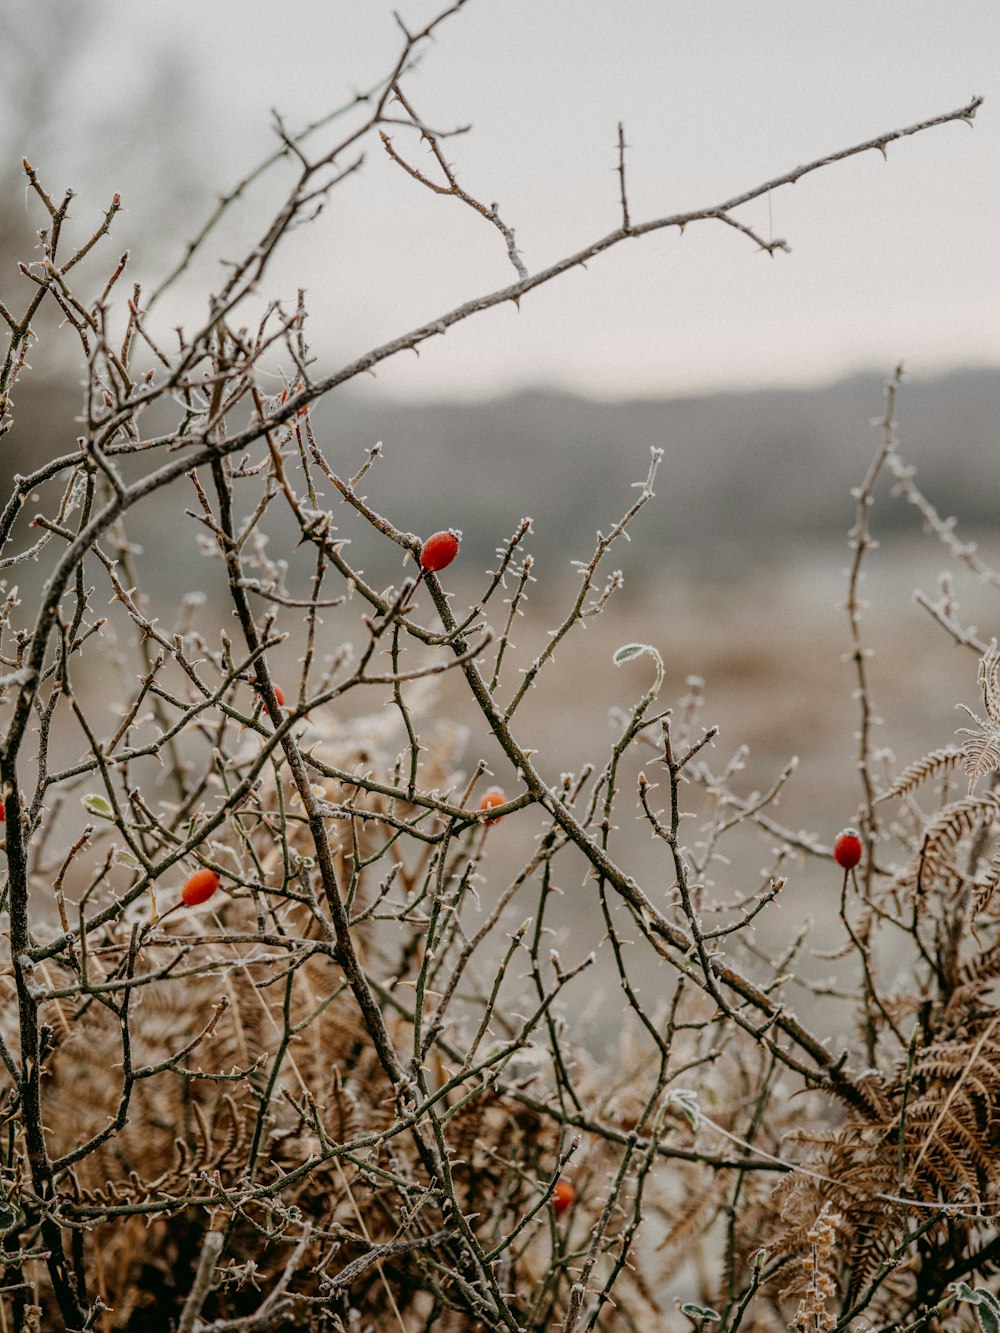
(759, 377)
(172, 105)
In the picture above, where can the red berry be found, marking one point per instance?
(562, 1196)
(280, 698)
(847, 848)
(3, 815)
(200, 887)
(440, 550)
(495, 796)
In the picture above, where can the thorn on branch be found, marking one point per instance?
(623, 194)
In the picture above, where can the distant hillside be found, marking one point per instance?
(743, 473)
(740, 469)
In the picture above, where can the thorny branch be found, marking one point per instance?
(341, 1078)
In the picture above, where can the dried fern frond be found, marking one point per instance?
(989, 680)
(982, 749)
(937, 1146)
(987, 888)
(983, 968)
(958, 820)
(923, 770)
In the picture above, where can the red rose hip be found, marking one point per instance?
(199, 887)
(847, 848)
(562, 1196)
(280, 698)
(439, 550)
(495, 796)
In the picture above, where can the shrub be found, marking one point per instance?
(275, 1054)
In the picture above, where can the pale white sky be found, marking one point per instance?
(889, 260)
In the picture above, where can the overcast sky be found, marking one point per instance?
(890, 260)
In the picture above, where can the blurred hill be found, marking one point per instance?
(743, 472)
(745, 475)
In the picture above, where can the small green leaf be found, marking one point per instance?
(979, 1296)
(125, 858)
(8, 1216)
(629, 651)
(700, 1312)
(987, 1306)
(98, 805)
(686, 1101)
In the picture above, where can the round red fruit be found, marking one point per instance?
(199, 887)
(280, 698)
(440, 550)
(562, 1196)
(495, 796)
(847, 848)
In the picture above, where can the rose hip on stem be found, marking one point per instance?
(199, 887)
(438, 551)
(493, 797)
(563, 1195)
(280, 698)
(847, 848)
